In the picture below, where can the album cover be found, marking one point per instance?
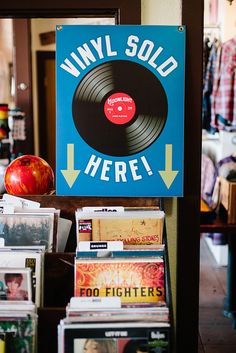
(120, 121)
(61, 226)
(130, 227)
(15, 284)
(55, 213)
(27, 229)
(33, 259)
(124, 337)
(18, 333)
(134, 280)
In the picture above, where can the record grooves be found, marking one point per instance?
(120, 108)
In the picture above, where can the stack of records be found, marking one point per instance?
(27, 231)
(13, 258)
(96, 309)
(108, 326)
(18, 314)
(24, 223)
(142, 227)
(120, 301)
(120, 253)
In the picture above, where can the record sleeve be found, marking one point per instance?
(120, 121)
(131, 227)
(33, 259)
(114, 337)
(27, 229)
(134, 280)
(20, 333)
(15, 284)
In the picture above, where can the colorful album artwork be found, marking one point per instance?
(15, 284)
(133, 280)
(120, 110)
(32, 259)
(17, 334)
(129, 231)
(113, 338)
(106, 345)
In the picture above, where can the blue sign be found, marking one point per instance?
(120, 110)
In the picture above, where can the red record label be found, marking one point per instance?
(119, 108)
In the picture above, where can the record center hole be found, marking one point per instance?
(119, 108)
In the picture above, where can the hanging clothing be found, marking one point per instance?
(208, 85)
(207, 45)
(207, 178)
(223, 107)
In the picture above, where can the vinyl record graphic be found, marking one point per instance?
(119, 108)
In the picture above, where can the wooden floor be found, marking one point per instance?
(216, 334)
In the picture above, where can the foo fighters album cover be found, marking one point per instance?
(135, 280)
(120, 110)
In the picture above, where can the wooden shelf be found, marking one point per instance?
(48, 320)
(58, 279)
(218, 224)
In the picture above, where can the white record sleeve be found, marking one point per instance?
(28, 259)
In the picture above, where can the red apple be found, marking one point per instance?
(29, 175)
